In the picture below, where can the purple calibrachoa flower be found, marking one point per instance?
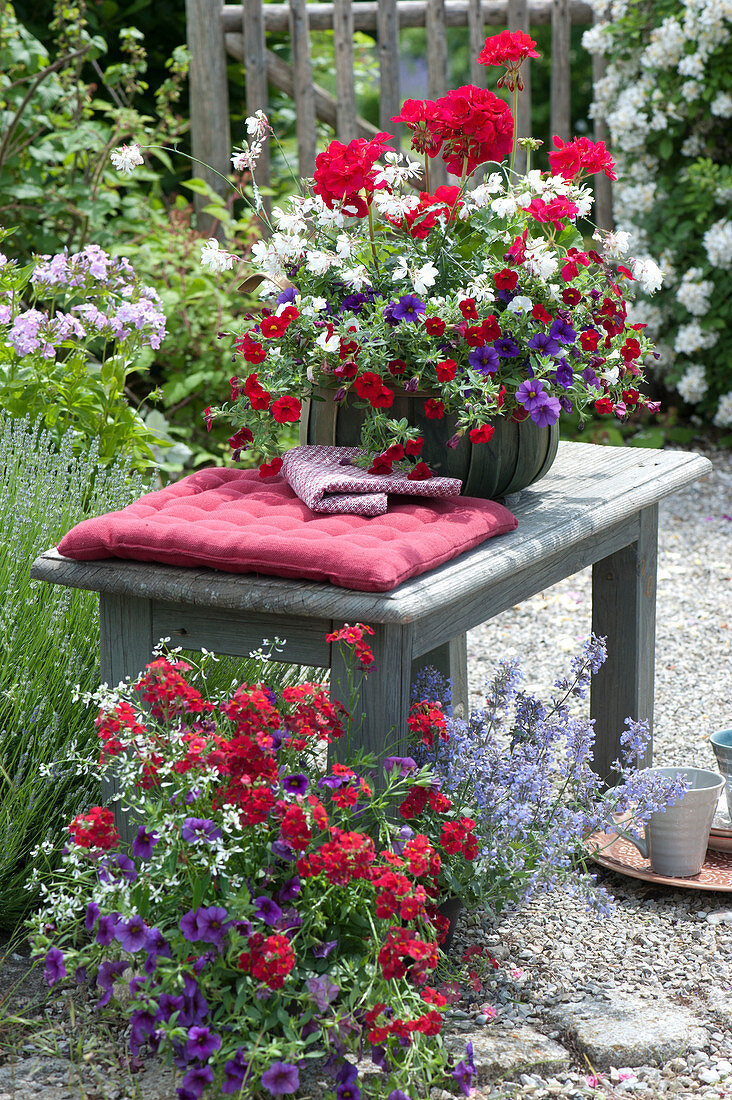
(212, 924)
(531, 393)
(290, 890)
(397, 1094)
(484, 359)
(408, 308)
(281, 1078)
(323, 950)
(90, 917)
(564, 375)
(507, 346)
(132, 934)
(106, 927)
(465, 1070)
(562, 331)
(108, 971)
(235, 1072)
(195, 1082)
(405, 764)
(295, 784)
(144, 843)
(201, 1043)
(544, 343)
(143, 1024)
(196, 830)
(54, 969)
(348, 1092)
(322, 991)
(547, 412)
(267, 909)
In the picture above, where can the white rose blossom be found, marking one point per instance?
(723, 415)
(693, 384)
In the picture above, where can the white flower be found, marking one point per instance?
(692, 146)
(318, 262)
(246, 159)
(394, 171)
(356, 277)
(693, 384)
(126, 158)
(216, 258)
(504, 207)
(717, 243)
(257, 125)
(344, 246)
(691, 65)
(723, 415)
(540, 260)
(519, 304)
(395, 206)
(692, 338)
(615, 245)
(693, 295)
(611, 375)
(290, 221)
(424, 277)
(328, 343)
(481, 289)
(311, 306)
(648, 273)
(721, 105)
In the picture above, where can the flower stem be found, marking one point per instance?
(515, 126)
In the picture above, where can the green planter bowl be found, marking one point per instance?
(517, 455)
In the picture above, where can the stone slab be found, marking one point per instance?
(626, 1030)
(509, 1051)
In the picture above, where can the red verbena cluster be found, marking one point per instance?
(269, 959)
(95, 829)
(354, 636)
(427, 722)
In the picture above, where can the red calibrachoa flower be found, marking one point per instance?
(269, 469)
(381, 465)
(95, 829)
(483, 434)
(434, 409)
(286, 410)
(446, 370)
(604, 405)
(414, 446)
(259, 398)
(251, 349)
(420, 472)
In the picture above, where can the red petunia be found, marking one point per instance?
(483, 434)
(435, 326)
(286, 410)
(434, 409)
(506, 279)
(414, 446)
(421, 472)
(446, 370)
(269, 469)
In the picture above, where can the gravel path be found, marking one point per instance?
(670, 948)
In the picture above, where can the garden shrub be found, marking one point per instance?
(667, 104)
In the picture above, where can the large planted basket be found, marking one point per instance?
(517, 455)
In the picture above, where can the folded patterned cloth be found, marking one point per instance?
(323, 479)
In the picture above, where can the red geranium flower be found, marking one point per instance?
(509, 48)
(419, 116)
(477, 127)
(344, 174)
(573, 158)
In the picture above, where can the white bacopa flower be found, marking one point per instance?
(126, 158)
(257, 125)
(723, 415)
(693, 384)
(648, 273)
(216, 258)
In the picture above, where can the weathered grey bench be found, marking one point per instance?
(597, 506)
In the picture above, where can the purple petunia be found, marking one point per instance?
(212, 924)
(562, 331)
(281, 1078)
(132, 934)
(564, 375)
(484, 359)
(531, 393)
(201, 1043)
(408, 308)
(405, 764)
(144, 843)
(90, 917)
(197, 830)
(465, 1070)
(54, 969)
(106, 927)
(195, 1082)
(397, 1094)
(546, 413)
(323, 950)
(295, 784)
(290, 890)
(235, 1072)
(544, 343)
(267, 909)
(322, 991)
(507, 347)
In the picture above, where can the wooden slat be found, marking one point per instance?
(519, 20)
(304, 95)
(437, 74)
(388, 39)
(281, 76)
(560, 123)
(624, 612)
(345, 91)
(476, 39)
(255, 65)
(411, 14)
(209, 100)
(223, 631)
(603, 214)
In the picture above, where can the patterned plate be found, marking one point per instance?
(617, 854)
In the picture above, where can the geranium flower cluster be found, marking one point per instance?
(71, 323)
(273, 904)
(666, 100)
(481, 296)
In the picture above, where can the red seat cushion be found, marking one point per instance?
(235, 521)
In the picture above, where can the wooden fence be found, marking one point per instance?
(217, 30)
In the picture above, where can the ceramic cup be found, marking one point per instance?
(676, 839)
(721, 742)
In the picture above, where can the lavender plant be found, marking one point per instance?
(523, 770)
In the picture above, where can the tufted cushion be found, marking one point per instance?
(234, 521)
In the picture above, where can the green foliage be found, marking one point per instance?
(47, 643)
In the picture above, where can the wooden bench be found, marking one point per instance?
(597, 506)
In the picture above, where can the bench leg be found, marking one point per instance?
(451, 661)
(382, 705)
(624, 610)
(126, 645)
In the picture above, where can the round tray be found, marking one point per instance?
(618, 854)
